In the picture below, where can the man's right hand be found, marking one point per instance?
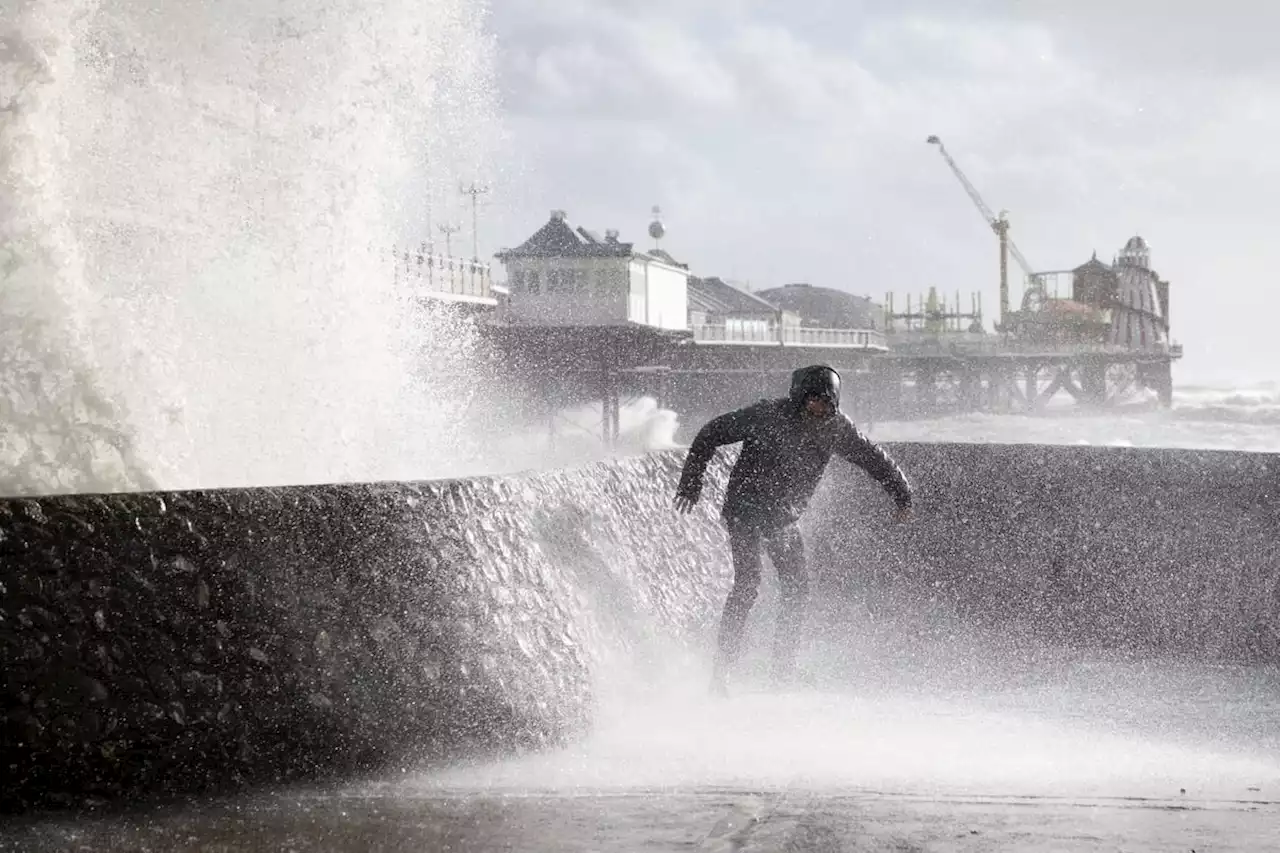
(685, 504)
(903, 514)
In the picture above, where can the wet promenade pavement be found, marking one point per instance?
(710, 820)
(1092, 755)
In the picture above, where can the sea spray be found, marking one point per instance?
(198, 200)
(60, 428)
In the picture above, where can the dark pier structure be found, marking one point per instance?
(1108, 336)
(587, 319)
(563, 367)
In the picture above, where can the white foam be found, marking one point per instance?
(834, 742)
(198, 197)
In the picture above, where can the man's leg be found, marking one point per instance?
(744, 544)
(786, 552)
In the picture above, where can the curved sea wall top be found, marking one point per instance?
(187, 640)
(176, 641)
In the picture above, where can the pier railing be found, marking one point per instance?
(436, 276)
(994, 346)
(793, 336)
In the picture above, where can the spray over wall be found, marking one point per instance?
(198, 205)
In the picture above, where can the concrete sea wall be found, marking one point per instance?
(1174, 551)
(187, 641)
(195, 640)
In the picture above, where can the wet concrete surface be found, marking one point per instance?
(710, 820)
(1094, 754)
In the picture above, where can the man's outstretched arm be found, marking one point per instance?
(856, 449)
(729, 428)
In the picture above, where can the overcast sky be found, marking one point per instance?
(789, 145)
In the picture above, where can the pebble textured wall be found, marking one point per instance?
(187, 641)
(1153, 550)
(200, 640)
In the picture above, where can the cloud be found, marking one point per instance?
(575, 58)
(788, 144)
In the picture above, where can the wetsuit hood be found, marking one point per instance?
(818, 380)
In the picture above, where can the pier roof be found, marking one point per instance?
(824, 306)
(558, 239)
(717, 295)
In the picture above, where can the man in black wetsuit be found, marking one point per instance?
(786, 444)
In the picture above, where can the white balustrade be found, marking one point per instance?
(794, 336)
(436, 274)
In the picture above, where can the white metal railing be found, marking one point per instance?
(994, 345)
(795, 336)
(436, 274)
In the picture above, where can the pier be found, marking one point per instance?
(588, 319)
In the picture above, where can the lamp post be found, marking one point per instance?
(475, 192)
(448, 231)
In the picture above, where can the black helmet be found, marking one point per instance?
(818, 380)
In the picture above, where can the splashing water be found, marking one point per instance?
(962, 716)
(197, 200)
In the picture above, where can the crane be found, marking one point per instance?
(1000, 225)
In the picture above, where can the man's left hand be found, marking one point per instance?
(903, 514)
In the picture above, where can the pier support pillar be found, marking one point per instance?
(1162, 378)
(611, 397)
(963, 391)
(885, 401)
(1033, 387)
(1093, 382)
(927, 390)
(1002, 389)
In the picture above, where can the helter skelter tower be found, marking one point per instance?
(1138, 315)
